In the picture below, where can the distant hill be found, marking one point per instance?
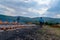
(48, 19)
(27, 19)
(14, 18)
(6, 18)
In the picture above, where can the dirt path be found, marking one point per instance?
(34, 34)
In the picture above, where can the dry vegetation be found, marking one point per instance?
(46, 33)
(55, 29)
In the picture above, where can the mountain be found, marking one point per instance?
(6, 18)
(48, 19)
(27, 19)
(14, 18)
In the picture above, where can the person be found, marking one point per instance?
(41, 22)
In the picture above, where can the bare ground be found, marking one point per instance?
(46, 33)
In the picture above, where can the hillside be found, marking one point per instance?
(50, 20)
(14, 18)
(27, 19)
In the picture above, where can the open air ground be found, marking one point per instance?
(46, 33)
(36, 33)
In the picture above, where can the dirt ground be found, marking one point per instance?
(45, 33)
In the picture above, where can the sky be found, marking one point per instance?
(30, 8)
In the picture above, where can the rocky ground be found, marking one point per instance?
(34, 34)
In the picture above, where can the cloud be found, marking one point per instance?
(54, 9)
(41, 11)
(46, 2)
(56, 16)
(55, 6)
(6, 10)
(30, 8)
(5, 7)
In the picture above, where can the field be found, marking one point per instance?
(32, 33)
(53, 30)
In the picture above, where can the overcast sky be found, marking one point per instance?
(30, 8)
